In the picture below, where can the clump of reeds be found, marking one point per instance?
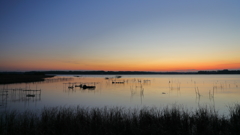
(235, 118)
(120, 120)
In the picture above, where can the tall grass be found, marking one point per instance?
(119, 120)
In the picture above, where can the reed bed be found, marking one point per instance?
(121, 121)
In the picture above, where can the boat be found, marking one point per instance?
(88, 87)
(30, 95)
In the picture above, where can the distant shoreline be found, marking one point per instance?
(35, 76)
(225, 71)
(22, 78)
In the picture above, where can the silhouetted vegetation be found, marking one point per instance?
(141, 72)
(118, 120)
(22, 78)
(33, 76)
(225, 71)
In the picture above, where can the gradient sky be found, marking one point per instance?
(125, 35)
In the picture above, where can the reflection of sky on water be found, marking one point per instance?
(191, 91)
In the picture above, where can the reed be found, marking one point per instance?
(120, 120)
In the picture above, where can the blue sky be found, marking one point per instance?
(106, 34)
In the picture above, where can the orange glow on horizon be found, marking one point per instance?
(164, 67)
(119, 65)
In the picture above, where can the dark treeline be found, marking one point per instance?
(225, 71)
(110, 72)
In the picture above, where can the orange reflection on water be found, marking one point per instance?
(191, 91)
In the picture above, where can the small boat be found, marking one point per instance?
(30, 95)
(88, 87)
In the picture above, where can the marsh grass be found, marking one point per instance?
(119, 120)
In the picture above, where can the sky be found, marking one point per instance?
(119, 35)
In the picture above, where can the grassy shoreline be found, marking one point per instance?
(22, 78)
(118, 120)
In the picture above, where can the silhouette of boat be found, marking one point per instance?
(30, 95)
(88, 87)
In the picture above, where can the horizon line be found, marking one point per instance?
(179, 71)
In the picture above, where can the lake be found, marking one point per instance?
(135, 91)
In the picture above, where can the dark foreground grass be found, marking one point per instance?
(118, 120)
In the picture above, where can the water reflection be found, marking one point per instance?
(56, 79)
(137, 90)
(4, 98)
(96, 91)
(19, 95)
(82, 86)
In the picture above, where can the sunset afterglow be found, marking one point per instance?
(120, 35)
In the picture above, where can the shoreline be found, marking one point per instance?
(22, 78)
(101, 72)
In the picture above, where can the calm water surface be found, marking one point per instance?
(190, 91)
